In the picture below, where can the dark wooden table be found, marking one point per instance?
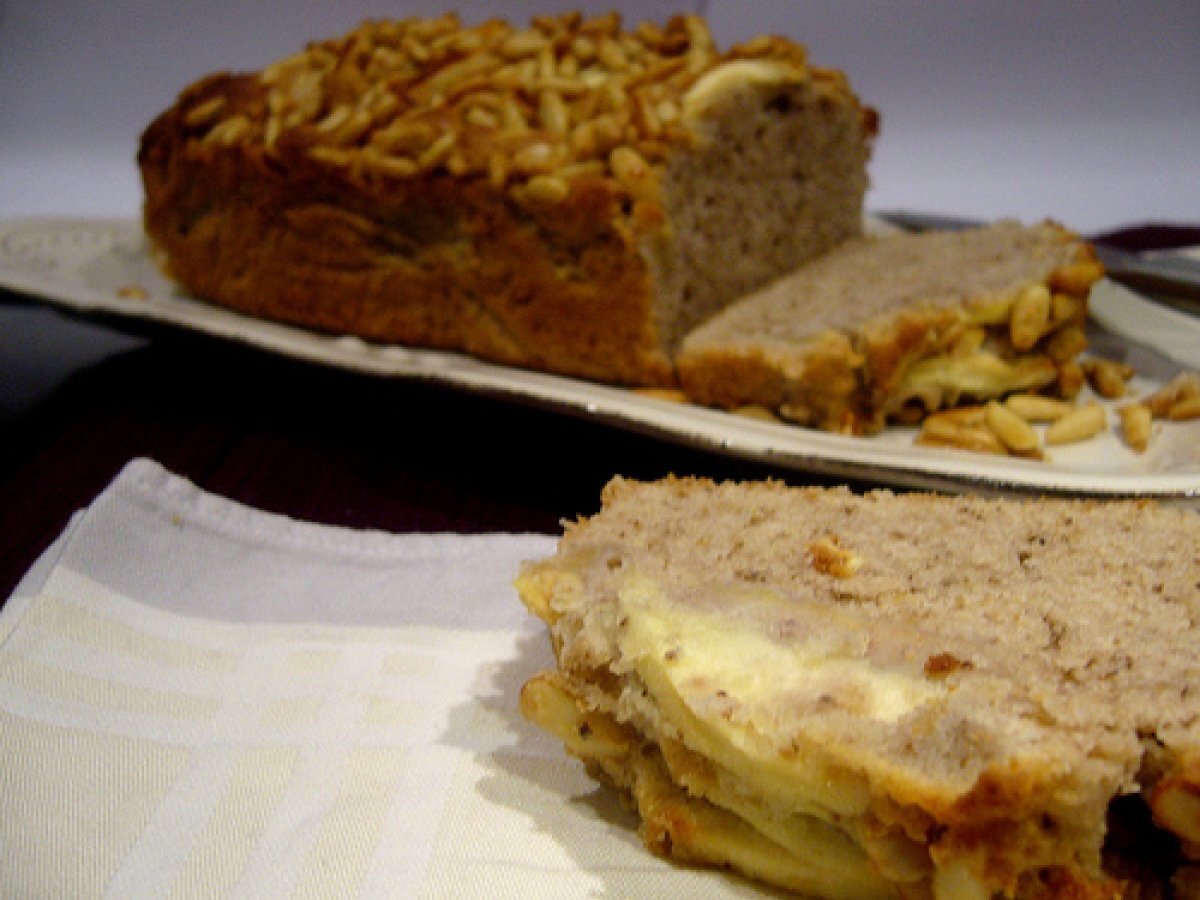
(325, 445)
(314, 443)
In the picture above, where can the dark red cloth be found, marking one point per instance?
(1151, 236)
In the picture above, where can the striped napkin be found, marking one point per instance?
(198, 699)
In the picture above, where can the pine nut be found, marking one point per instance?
(1136, 424)
(1036, 408)
(1030, 317)
(829, 557)
(1070, 379)
(941, 432)
(1066, 343)
(1078, 425)
(1185, 408)
(1064, 308)
(1076, 278)
(1106, 377)
(546, 190)
(1013, 431)
(1184, 386)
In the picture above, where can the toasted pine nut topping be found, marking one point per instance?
(513, 106)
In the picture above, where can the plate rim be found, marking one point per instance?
(782, 445)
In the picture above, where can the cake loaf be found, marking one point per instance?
(880, 695)
(886, 328)
(573, 196)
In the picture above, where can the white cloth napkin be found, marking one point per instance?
(198, 699)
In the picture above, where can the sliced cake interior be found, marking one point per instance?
(885, 695)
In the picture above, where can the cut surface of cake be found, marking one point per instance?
(885, 695)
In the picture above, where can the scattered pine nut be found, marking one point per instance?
(1014, 432)
(1136, 424)
(1107, 378)
(1038, 409)
(1078, 425)
(1186, 408)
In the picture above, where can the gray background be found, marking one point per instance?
(1086, 112)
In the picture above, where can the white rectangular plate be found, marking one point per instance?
(87, 266)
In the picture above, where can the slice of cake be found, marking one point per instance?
(901, 696)
(894, 327)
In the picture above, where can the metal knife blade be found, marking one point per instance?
(1147, 361)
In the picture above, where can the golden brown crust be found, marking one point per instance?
(819, 384)
(429, 262)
